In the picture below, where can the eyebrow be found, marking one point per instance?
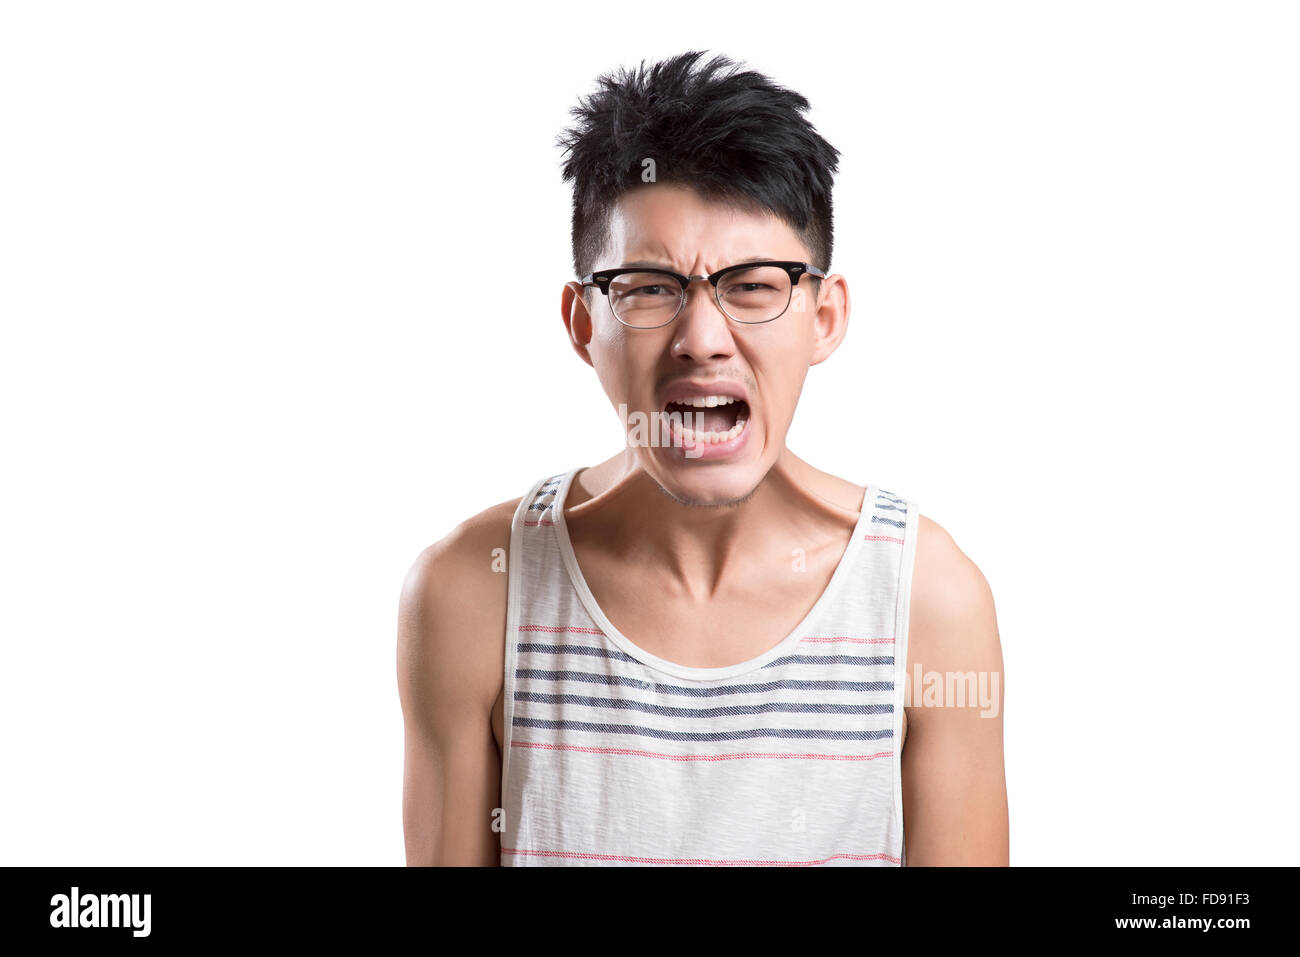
(651, 264)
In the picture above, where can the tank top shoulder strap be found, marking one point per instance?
(869, 617)
(537, 584)
(535, 565)
(890, 539)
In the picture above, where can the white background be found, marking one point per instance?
(256, 355)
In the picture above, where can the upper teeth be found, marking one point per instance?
(706, 401)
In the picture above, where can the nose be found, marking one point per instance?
(701, 331)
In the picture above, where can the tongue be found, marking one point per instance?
(715, 420)
(719, 419)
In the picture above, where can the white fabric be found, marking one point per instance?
(615, 756)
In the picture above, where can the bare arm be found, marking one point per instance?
(450, 648)
(954, 781)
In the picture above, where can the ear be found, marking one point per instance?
(577, 320)
(830, 317)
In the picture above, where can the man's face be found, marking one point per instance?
(759, 367)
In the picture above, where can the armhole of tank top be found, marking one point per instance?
(514, 586)
(906, 566)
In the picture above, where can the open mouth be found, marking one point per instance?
(708, 419)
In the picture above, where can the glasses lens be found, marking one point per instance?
(759, 294)
(645, 298)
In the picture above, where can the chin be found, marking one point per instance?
(712, 488)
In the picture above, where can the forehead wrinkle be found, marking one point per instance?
(641, 244)
(664, 264)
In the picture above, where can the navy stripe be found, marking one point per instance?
(747, 735)
(830, 660)
(539, 508)
(890, 508)
(791, 684)
(892, 497)
(888, 521)
(770, 707)
(538, 646)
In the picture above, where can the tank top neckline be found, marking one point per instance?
(784, 646)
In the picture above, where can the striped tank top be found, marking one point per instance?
(613, 756)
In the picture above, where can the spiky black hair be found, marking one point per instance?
(729, 134)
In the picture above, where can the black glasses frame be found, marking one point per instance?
(797, 270)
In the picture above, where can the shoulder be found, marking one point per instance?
(952, 621)
(458, 558)
(452, 607)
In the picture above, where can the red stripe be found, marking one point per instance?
(637, 752)
(698, 860)
(856, 641)
(554, 629)
(557, 629)
(882, 538)
(542, 522)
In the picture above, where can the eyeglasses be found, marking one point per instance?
(645, 298)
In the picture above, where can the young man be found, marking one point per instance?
(703, 650)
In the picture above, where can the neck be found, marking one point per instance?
(793, 506)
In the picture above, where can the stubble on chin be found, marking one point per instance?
(697, 503)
